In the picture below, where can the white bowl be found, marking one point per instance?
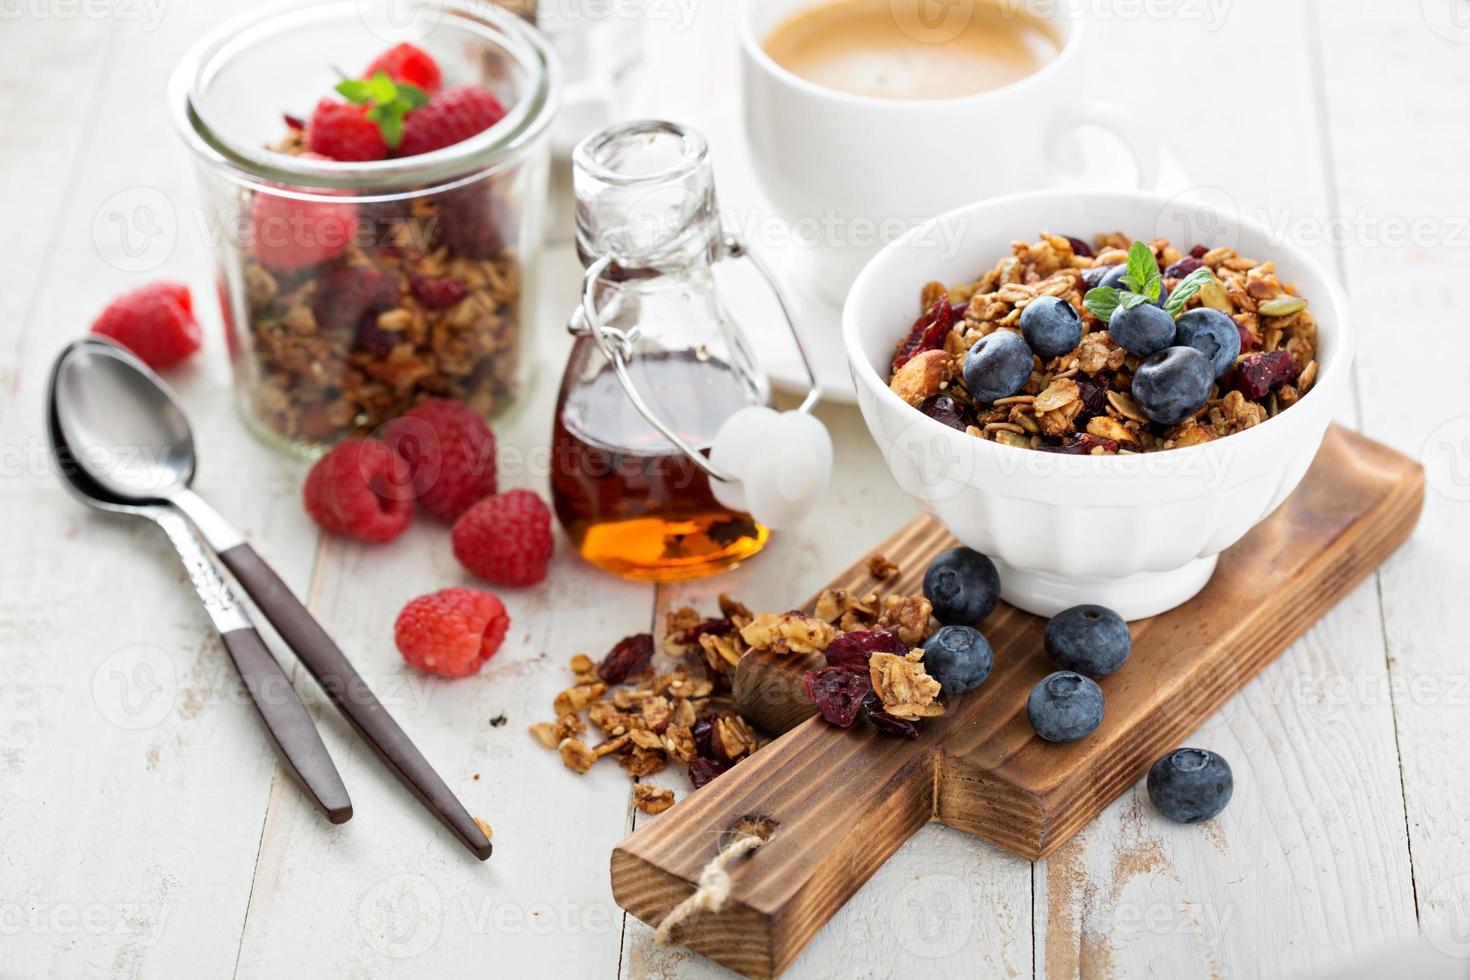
(1140, 534)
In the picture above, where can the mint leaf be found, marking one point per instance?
(388, 102)
(381, 87)
(1130, 300)
(354, 90)
(1188, 287)
(391, 126)
(1143, 275)
(1102, 301)
(416, 97)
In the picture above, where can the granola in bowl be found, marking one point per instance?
(1100, 395)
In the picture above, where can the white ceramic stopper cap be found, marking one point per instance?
(782, 460)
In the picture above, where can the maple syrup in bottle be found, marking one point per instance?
(654, 342)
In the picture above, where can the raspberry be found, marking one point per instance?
(342, 131)
(155, 322)
(288, 233)
(347, 292)
(361, 489)
(505, 538)
(452, 116)
(450, 453)
(470, 219)
(406, 63)
(451, 632)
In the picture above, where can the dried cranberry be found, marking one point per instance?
(851, 651)
(1094, 393)
(294, 122)
(345, 294)
(886, 723)
(629, 654)
(837, 693)
(1247, 339)
(1199, 251)
(927, 333)
(703, 769)
(1183, 267)
(1079, 247)
(710, 627)
(373, 339)
(1081, 444)
(703, 732)
(1258, 375)
(942, 408)
(438, 294)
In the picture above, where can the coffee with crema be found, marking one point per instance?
(912, 49)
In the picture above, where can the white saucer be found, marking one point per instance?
(1106, 165)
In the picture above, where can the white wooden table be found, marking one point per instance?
(144, 829)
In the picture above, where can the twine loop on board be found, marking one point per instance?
(713, 889)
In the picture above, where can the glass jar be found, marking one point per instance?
(352, 291)
(600, 47)
(658, 365)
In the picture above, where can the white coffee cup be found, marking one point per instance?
(851, 173)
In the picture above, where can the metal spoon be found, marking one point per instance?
(297, 743)
(133, 440)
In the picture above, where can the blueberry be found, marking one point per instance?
(1213, 334)
(1113, 279)
(1190, 785)
(959, 658)
(1093, 278)
(1173, 384)
(1065, 706)
(998, 366)
(963, 586)
(1142, 329)
(1051, 326)
(1091, 640)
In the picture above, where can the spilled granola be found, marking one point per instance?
(1080, 402)
(679, 710)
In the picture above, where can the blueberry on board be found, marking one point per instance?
(1090, 640)
(998, 366)
(959, 658)
(1065, 707)
(963, 587)
(1142, 329)
(1113, 279)
(1173, 384)
(1213, 334)
(1051, 326)
(1190, 785)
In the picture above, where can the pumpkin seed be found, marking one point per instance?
(1213, 295)
(1283, 306)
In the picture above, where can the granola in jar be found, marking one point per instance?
(375, 250)
(1089, 398)
(423, 301)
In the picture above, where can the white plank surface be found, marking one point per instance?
(146, 832)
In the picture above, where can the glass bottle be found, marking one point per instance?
(658, 365)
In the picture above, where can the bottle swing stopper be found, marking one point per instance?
(772, 465)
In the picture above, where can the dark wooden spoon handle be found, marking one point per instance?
(297, 742)
(350, 693)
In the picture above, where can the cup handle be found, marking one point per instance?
(1136, 135)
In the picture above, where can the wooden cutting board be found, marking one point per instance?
(837, 803)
